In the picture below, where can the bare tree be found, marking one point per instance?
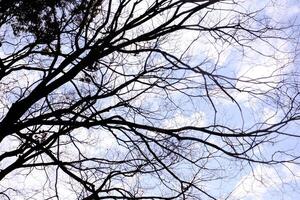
(134, 99)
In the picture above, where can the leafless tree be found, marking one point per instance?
(130, 99)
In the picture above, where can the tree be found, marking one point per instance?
(142, 99)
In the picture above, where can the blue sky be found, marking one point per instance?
(239, 179)
(257, 181)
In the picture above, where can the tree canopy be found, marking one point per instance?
(147, 99)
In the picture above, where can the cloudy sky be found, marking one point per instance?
(255, 182)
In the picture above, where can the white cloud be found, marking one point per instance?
(265, 181)
(180, 120)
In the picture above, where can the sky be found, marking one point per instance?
(255, 182)
(266, 182)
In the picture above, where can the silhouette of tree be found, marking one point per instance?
(104, 99)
